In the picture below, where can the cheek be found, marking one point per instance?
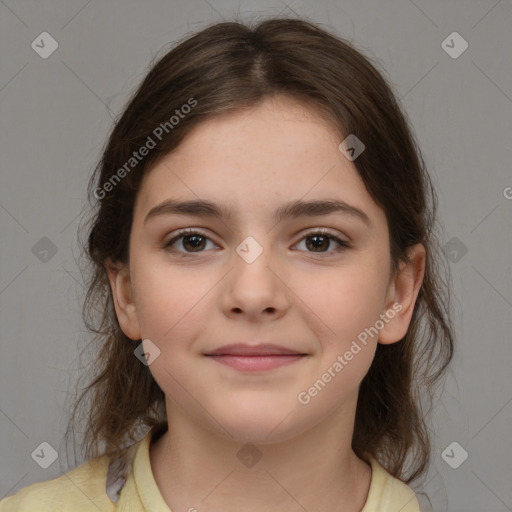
(172, 304)
(167, 295)
(345, 302)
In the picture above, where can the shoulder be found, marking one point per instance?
(81, 489)
(389, 494)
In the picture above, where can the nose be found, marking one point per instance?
(256, 283)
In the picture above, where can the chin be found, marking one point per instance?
(260, 425)
(257, 434)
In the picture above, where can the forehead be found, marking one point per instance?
(256, 159)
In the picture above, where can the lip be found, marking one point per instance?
(245, 350)
(255, 358)
(257, 363)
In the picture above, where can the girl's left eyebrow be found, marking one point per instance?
(298, 208)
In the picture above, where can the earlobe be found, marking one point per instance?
(404, 291)
(121, 287)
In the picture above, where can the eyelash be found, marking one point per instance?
(190, 232)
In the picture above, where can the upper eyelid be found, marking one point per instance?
(180, 233)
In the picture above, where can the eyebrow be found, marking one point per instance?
(293, 209)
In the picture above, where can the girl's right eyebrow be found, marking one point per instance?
(293, 209)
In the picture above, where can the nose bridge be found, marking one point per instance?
(254, 283)
(253, 234)
(252, 258)
(250, 250)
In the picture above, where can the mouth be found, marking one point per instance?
(255, 358)
(257, 363)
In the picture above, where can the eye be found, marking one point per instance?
(192, 238)
(321, 239)
(194, 241)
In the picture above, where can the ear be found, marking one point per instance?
(402, 294)
(120, 284)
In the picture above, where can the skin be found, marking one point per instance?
(313, 301)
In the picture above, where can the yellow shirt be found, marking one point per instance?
(132, 488)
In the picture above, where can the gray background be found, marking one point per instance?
(56, 113)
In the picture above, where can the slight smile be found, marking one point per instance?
(254, 358)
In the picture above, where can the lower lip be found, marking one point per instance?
(257, 363)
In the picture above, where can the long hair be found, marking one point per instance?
(232, 66)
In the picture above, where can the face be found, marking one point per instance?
(310, 282)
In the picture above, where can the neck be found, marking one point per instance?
(316, 470)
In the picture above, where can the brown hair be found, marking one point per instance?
(231, 66)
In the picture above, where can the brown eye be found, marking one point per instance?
(321, 241)
(192, 241)
(318, 243)
(197, 242)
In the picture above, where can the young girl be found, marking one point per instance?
(266, 270)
